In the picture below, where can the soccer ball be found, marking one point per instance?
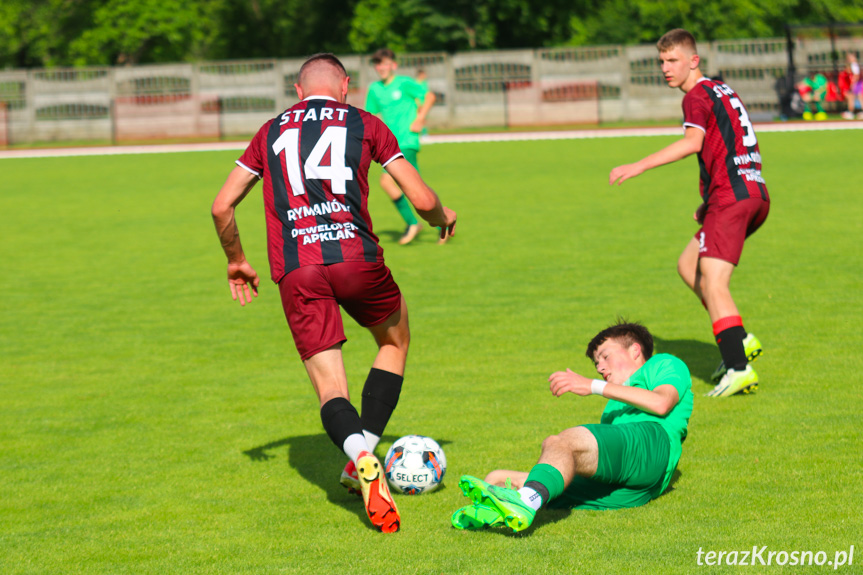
(415, 464)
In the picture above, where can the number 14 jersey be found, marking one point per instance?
(314, 162)
(730, 160)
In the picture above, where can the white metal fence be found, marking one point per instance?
(474, 89)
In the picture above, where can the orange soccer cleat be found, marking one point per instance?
(380, 506)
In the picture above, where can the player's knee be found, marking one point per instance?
(394, 332)
(713, 287)
(551, 443)
(496, 477)
(574, 439)
(400, 337)
(403, 342)
(566, 439)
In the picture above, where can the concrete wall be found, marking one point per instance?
(238, 96)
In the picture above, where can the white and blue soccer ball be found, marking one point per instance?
(415, 464)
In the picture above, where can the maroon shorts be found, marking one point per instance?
(311, 296)
(724, 229)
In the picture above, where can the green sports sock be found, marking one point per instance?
(404, 208)
(818, 106)
(548, 477)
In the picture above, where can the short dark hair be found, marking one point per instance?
(675, 38)
(626, 333)
(322, 57)
(381, 54)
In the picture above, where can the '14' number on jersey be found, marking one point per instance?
(334, 139)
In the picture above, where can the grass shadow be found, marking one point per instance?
(391, 235)
(316, 460)
(394, 236)
(674, 478)
(545, 517)
(701, 358)
(549, 516)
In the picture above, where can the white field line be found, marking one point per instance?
(432, 139)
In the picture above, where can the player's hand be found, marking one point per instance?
(417, 126)
(698, 216)
(622, 173)
(568, 381)
(448, 229)
(240, 277)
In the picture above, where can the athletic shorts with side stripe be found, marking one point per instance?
(311, 296)
(725, 229)
(633, 459)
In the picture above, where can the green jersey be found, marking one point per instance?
(396, 102)
(817, 83)
(661, 369)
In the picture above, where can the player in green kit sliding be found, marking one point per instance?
(624, 461)
(402, 103)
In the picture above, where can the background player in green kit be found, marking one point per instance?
(624, 461)
(402, 103)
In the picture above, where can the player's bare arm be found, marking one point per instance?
(691, 143)
(241, 276)
(658, 401)
(423, 198)
(422, 111)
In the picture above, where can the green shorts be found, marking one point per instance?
(633, 459)
(411, 156)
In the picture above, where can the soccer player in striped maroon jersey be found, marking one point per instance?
(314, 162)
(734, 196)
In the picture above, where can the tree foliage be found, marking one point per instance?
(624, 21)
(134, 31)
(280, 28)
(108, 32)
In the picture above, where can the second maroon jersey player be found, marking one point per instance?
(735, 202)
(730, 160)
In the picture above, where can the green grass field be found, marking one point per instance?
(152, 425)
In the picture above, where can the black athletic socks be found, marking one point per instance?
(539, 488)
(340, 420)
(730, 342)
(380, 397)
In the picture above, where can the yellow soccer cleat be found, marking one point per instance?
(732, 382)
(753, 350)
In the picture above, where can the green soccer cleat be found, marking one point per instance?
(475, 517)
(473, 487)
(515, 513)
(733, 382)
(753, 350)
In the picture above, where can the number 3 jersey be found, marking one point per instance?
(314, 161)
(729, 160)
